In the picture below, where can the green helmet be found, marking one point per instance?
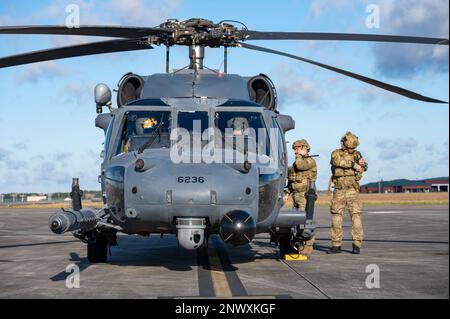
(301, 143)
(350, 140)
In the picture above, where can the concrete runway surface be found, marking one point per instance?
(408, 244)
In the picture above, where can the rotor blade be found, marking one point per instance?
(74, 51)
(257, 35)
(99, 31)
(385, 86)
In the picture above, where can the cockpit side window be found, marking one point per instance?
(108, 136)
(144, 129)
(281, 144)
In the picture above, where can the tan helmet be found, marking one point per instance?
(301, 143)
(350, 140)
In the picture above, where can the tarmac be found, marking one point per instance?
(404, 255)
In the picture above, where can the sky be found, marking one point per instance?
(47, 110)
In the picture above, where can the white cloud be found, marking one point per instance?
(56, 10)
(292, 85)
(320, 6)
(395, 148)
(47, 173)
(428, 18)
(20, 146)
(6, 20)
(316, 8)
(144, 13)
(81, 93)
(4, 154)
(46, 70)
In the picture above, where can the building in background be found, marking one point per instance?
(439, 184)
(36, 198)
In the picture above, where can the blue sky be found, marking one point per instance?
(47, 113)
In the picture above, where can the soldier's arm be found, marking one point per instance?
(339, 161)
(304, 163)
(288, 189)
(365, 167)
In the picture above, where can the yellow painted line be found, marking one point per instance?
(220, 283)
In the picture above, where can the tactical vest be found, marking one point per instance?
(346, 178)
(299, 180)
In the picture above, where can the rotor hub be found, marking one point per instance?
(199, 32)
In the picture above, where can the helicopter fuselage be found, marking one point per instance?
(148, 187)
(151, 199)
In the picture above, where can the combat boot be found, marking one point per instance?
(307, 250)
(334, 250)
(356, 250)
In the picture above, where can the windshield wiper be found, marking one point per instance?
(151, 138)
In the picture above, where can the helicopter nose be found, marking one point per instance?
(237, 228)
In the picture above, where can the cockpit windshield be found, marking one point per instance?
(145, 129)
(189, 119)
(244, 131)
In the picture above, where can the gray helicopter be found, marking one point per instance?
(196, 151)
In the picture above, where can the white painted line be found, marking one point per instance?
(386, 212)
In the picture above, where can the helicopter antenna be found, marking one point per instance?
(225, 59)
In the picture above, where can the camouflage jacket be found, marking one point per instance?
(303, 171)
(343, 169)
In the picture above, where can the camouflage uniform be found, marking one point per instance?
(303, 171)
(346, 190)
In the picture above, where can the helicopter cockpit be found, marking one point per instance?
(145, 128)
(244, 131)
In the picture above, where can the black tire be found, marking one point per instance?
(98, 252)
(285, 246)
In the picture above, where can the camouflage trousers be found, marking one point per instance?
(299, 200)
(346, 199)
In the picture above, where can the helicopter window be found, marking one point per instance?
(145, 129)
(280, 143)
(108, 135)
(239, 122)
(186, 120)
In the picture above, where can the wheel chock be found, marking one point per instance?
(293, 257)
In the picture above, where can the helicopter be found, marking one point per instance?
(202, 114)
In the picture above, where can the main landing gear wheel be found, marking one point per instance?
(286, 246)
(97, 252)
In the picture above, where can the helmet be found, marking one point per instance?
(301, 143)
(238, 123)
(350, 140)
